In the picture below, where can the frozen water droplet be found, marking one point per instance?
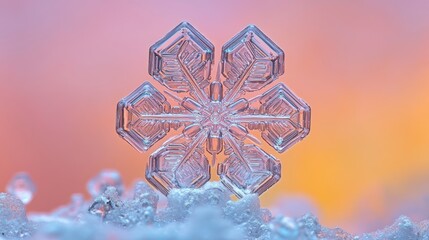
(284, 228)
(97, 185)
(22, 187)
(107, 201)
(100, 207)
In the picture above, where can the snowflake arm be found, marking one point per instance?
(179, 163)
(144, 117)
(250, 61)
(248, 169)
(182, 61)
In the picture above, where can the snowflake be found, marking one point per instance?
(216, 119)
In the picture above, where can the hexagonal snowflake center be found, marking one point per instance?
(214, 116)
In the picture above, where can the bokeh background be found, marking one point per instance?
(363, 66)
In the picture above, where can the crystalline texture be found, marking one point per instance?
(252, 172)
(13, 219)
(279, 102)
(215, 117)
(250, 61)
(181, 60)
(106, 202)
(22, 187)
(139, 132)
(203, 213)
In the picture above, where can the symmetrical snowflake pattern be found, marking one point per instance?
(216, 119)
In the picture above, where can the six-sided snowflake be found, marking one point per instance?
(215, 119)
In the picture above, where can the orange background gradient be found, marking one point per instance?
(363, 66)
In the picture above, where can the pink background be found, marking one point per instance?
(363, 66)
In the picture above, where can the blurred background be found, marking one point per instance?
(363, 66)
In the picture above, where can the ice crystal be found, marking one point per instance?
(108, 201)
(22, 187)
(215, 117)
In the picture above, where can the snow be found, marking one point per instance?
(204, 213)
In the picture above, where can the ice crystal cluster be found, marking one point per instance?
(204, 213)
(216, 117)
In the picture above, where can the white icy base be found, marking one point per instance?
(205, 213)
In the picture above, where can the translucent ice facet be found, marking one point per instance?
(215, 117)
(97, 185)
(181, 60)
(179, 163)
(250, 170)
(250, 61)
(22, 187)
(106, 202)
(293, 116)
(139, 117)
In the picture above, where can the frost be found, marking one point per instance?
(216, 116)
(204, 213)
